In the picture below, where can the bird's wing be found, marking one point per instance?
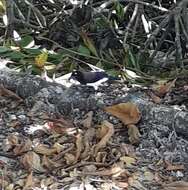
(92, 77)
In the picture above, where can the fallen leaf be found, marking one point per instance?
(44, 150)
(156, 99)
(134, 134)
(101, 132)
(127, 149)
(177, 185)
(70, 158)
(87, 140)
(163, 89)
(25, 146)
(116, 170)
(121, 184)
(87, 122)
(58, 147)
(79, 146)
(128, 112)
(49, 164)
(105, 139)
(148, 176)
(172, 167)
(29, 182)
(101, 157)
(31, 161)
(5, 92)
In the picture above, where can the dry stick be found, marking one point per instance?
(149, 5)
(177, 38)
(140, 11)
(185, 16)
(10, 16)
(106, 4)
(155, 33)
(130, 24)
(159, 45)
(184, 30)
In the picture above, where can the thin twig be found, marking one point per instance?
(130, 23)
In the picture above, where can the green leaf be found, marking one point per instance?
(89, 43)
(27, 41)
(55, 58)
(84, 50)
(120, 11)
(4, 49)
(15, 55)
(32, 51)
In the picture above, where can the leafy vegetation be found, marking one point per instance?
(146, 38)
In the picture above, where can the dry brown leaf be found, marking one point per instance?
(79, 146)
(13, 139)
(31, 161)
(58, 147)
(121, 184)
(9, 143)
(134, 134)
(128, 112)
(29, 182)
(49, 164)
(128, 149)
(115, 171)
(44, 150)
(164, 88)
(156, 99)
(101, 131)
(23, 147)
(15, 124)
(5, 92)
(171, 167)
(105, 139)
(47, 181)
(55, 128)
(87, 122)
(60, 126)
(178, 185)
(70, 158)
(87, 140)
(101, 157)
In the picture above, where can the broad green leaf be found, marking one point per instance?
(89, 43)
(15, 55)
(27, 42)
(55, 58)
(33, 51)
(84, 50)
(4, 49)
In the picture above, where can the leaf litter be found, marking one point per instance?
(84, 152)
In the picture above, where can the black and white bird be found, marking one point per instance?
(92, 78)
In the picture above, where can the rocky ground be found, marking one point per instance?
(71, 139)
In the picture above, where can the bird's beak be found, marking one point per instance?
(71, 77)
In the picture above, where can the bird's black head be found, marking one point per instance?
(77, 75)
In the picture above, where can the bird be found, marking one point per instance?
(89, 77)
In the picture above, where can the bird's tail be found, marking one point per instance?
(114, 78)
